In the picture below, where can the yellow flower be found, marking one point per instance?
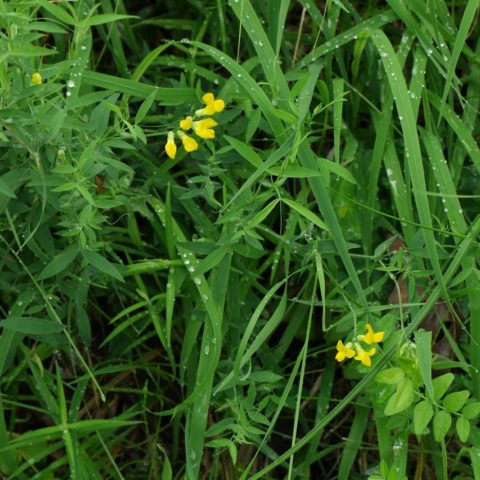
(170, 147)
(186, 123)
(364, 356)
(212, 106)
(36, 79)
(371, 336)
(204, 128)
(344, 351)
(189, 144)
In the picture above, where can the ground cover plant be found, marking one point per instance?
(239, 240)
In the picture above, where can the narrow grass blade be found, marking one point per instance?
(412, 145)
(460, 40)
(352, 444)
(165, 96)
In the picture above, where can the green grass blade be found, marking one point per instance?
(412, 145)
(352, 444)
(460, 40)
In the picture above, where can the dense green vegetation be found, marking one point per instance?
(297, 297)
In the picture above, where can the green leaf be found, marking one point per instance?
(245, 151)
(102, 264)
(423, 341)
(475, 459)
(145, 107)
(390, 376)
(31, 51)
(285, 116)
(471, 410)
(336, 169)
(453, 402)
(31, 325)
(422, 414)
(441, 423)
(463, 428)
(164, 95)
(401, 399)
(104, 18)
(441, 384)
(86, 194)
(308, 214)
(222, 443)
(45, 27)
(469, 16)
(66, 187)
(64, 169)
(5, 189)
(294, 171)
(59, 263)
(57, 11)
(167, 473)
(262, 214)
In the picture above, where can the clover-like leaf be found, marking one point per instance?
(453, 402)
(422, 414)
(390, 376)
(401, 399)
(441, 384)
(441, 423)
(463, 428)
(471, 410)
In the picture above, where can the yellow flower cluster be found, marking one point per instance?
(203, 128)
(355, 350)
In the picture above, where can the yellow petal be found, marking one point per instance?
(186, 123)
(371, 336)
(171, 150)
(378, 337)
(36, 79)
(208, 98)
(340, 356)
(205, 133)
(350, 352)
(218, 105)
(189, 143)
(208, 110)
(367, 361)
(170, 147)
(206, 123)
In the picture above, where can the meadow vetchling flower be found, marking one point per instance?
(186, 123)
(371, 336)
(212, 106)
(170, 147)
(189, 143)
(204, 128)
(364, 356)
(344, 351)
(36, 79)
